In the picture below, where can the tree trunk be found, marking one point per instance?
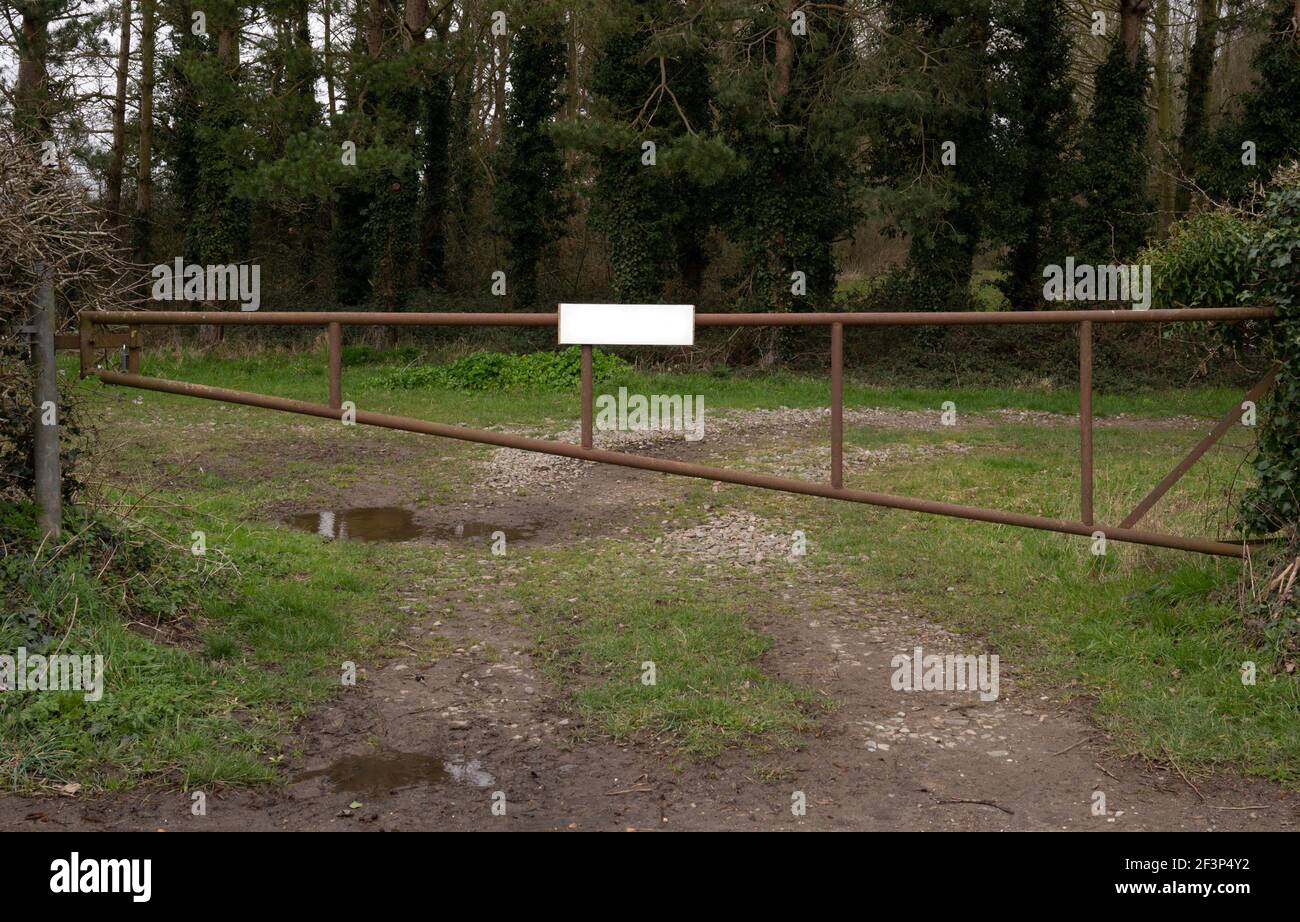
(1164, 117)
(784, 59)
(417, 20)
(31, 92)
(113, 181)
(499, 87)
(329, 62)
(144, 166)
(375, 28)
(1131, 14)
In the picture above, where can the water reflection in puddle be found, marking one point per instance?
(396, 523)
(374, 523)
(484, 530)
(376, 773)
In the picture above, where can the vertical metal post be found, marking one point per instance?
(1085, 421)
(45, 420)
(134, 350)
(586, 397)
(837, 405)
(336, 365)
(86, 343)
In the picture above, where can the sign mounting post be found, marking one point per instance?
(589, 325)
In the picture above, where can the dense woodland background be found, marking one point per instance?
(788, 137)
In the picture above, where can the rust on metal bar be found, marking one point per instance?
(982, 318)
(1085, 422)
(879, 318)
(837, 405)
(1220, 429)
(86, 346)
(134, 350)
(322, 318)
(667, 466)
(336, 365)
(586, 397)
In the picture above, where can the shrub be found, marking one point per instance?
(484, 371)
(1272, 504)
(1206, 262)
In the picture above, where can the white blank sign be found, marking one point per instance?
(627, 324)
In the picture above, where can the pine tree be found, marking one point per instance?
(931, 144)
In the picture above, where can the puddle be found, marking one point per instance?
(484, 530)
(471, 772)
(377, 773)
(397, 523)
(373, 523)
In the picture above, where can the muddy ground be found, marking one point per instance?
(433, 743)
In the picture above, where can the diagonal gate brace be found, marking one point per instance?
(1220, 429)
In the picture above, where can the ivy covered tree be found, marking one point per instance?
(530, 205)
(1196, 99)
(1269, 124)
(1035, 99)
(220, 222)
(1274, 503)
(790, 103)
(650, 101)
(179, 119)
(1117, 212)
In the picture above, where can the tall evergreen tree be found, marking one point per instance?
(932, 143)
(1117, 212)
(1200, 68)
(180, 112)
(529, 203)
(220, 223)
(791, 105)
(1035, 103)
(652, 212)
(377, 200)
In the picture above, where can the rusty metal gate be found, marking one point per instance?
(92, 337)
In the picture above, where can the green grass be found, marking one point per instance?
(609, 622)
(303, 376)
(248, 654)
(1151, 637)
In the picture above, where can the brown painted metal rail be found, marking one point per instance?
(90, 338)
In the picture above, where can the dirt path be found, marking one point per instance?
(435, 743)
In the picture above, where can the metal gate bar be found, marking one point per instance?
(1220, 429)
(335, 320)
